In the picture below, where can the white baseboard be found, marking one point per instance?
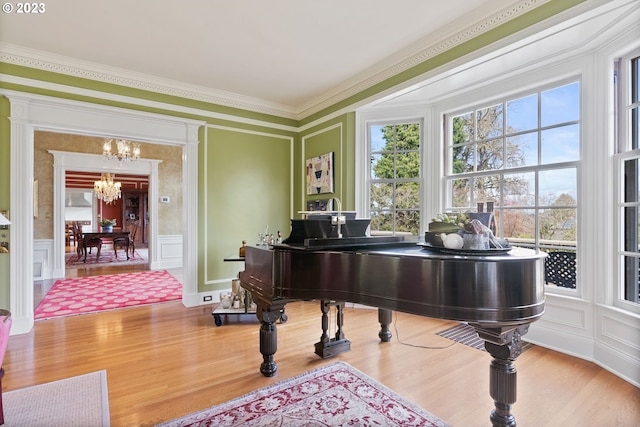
(617, 362)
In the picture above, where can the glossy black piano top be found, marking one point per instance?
(402, 246)
(500, 289)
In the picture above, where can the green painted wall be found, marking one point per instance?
(244, 186)
(338, 136)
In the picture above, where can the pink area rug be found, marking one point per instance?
(334, 395)
(89, 294)
(107, 258)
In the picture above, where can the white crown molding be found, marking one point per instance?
(445, 42)
(69, 66)
(45, 61)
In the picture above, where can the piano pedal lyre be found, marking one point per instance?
(327, 346)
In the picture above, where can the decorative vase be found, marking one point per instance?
(107, 228)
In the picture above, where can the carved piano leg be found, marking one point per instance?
(268, 316)
(339, 320)
(503, 374)
(385, 318)
(329, 347)
(324, 308)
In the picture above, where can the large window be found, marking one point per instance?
(522, 155)
(629, 166)
(394, 184)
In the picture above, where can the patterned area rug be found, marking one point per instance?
(107, 257)
(465, 334)
(75, 401)
(334, 395)
(89, 294)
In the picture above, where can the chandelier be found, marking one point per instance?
(106, 189)
(127, 151)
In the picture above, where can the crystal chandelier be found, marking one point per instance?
(127, 151)
(106, 189)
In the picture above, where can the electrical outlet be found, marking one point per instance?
(207, 298)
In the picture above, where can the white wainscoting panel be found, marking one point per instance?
(617, 344)
(566, 326)
(43, 260)
(170, 252)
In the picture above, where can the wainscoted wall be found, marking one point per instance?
(43, 260)
(169, 256)
(169, 252)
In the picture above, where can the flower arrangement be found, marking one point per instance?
(106, 222)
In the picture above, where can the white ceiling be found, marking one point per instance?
(293, 55)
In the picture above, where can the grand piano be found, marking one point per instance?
(499, 294)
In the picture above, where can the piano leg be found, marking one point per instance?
(502, 373)
(329, 347)
(384, 318)
(268, 316)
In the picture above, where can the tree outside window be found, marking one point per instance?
(522, 154)
(394, 188)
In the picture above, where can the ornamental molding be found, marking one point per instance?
(71, 67)
(423, 55)
(68, 66)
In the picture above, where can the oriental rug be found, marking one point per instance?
(107, 258)
(90, 294)
(333, 395)
(467, 335)
(80, 401)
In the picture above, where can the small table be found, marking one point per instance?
(110, 234)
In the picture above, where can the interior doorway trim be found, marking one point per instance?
(64, 161)
(31, 112)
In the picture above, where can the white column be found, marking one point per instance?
(190, 218)
(21, 216)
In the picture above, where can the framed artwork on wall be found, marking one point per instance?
(320, 174)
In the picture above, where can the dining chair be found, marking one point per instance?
(68, 233)
(77, 236)
(5, 328)
(85, 244)
(127, 242)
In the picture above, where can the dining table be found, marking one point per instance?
(88, 235)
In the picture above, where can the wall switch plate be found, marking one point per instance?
(207, 298)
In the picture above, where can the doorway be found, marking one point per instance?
(83, 211)
(31, 112)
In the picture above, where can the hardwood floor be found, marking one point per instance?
(164, 361)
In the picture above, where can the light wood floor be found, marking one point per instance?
(164, 361)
